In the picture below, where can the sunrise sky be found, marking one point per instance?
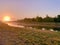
(29, 8)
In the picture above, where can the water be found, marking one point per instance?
(41, 28)
(15, 25)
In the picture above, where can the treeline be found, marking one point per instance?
(40, 19)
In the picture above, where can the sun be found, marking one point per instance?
(6, 18)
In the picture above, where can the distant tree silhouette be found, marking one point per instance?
(55, 19)
(39, 19)
(48, 19)
(58, 18)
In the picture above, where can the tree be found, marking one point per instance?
(58, 18)
(48, 19)
(39, 19)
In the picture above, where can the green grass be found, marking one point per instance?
(18, 36)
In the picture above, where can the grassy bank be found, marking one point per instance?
(18, 36)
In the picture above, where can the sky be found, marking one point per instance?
(19, 9)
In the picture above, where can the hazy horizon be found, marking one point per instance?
(19, 9)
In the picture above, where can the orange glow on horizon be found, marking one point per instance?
(6, 18)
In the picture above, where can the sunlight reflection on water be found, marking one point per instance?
(15, 25)
(20, 26)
